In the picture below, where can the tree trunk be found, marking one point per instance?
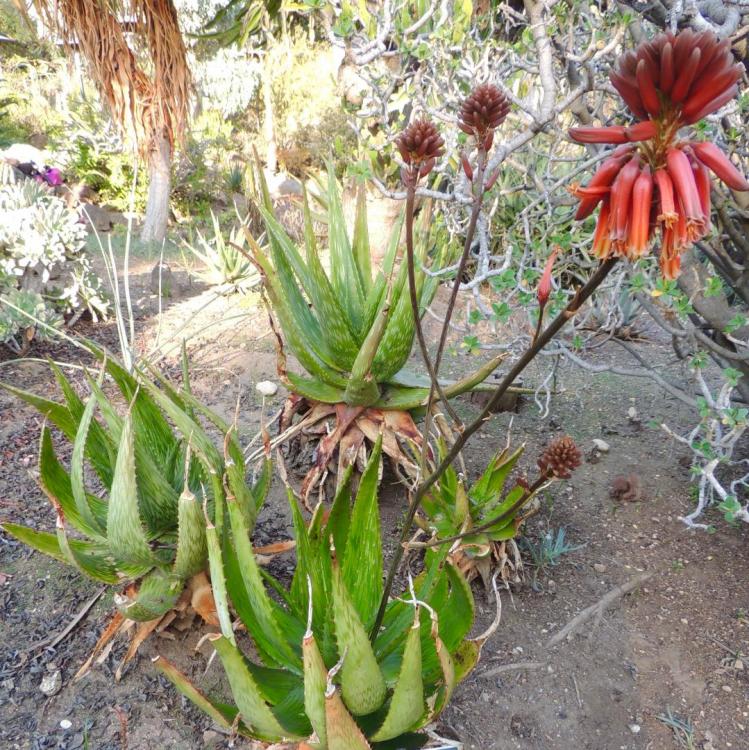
(157, 206)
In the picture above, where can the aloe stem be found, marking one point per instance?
(410, 199)
(527, 357)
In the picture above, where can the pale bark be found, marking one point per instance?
(157, 206)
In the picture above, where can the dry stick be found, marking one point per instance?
(53, 640)
(551, 330)
(599, 607)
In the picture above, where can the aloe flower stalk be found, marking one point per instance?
(655, 180)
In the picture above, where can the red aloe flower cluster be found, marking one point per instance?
(654, 180)
(482, 111)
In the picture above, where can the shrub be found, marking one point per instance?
(44, 270)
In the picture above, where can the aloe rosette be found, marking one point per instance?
(149, 525)
(317, 674)
(482, 518)
(351, 330)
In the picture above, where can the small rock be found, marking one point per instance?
(517, 650)
(601, 445)
(634, 728)
(211, 738)
(599, 567)
(266, 388)
(726, 688)
(162, 280)
(51, 683)
(66, 724)
(632, 414)
(738, 665)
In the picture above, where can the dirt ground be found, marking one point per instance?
(666, 666)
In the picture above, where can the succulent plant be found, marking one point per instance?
(149, 524)
(452, 510)
(352, 333)
(316, 671)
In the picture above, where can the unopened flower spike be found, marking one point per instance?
(560, 458)
(654, 181)
(420, 146)
(482, 111)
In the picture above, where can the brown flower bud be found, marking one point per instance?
(483, 110)
(420, 143)
(560, 458)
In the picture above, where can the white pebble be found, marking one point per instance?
(634, 728)
(66, 724)
(601, 445)
(266, 388)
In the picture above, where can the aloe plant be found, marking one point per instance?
(159, 482)
(317, 671)
(479, 519)
(351, 330)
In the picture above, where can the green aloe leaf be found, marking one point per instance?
(264, 629)
(192, 549)
(157, 593)
(316, 390)
(76, 470)
(220, 715)
(342, 731)
(218, 580)
(489, 486)
(49, 544)
(407, 702)
(362, 683)
(339, 520)
(126, 536)
(315, 681)
(55, 481)
(253, 709)
(334, 329)
(346, 279)
(361, 566)
(361, 247)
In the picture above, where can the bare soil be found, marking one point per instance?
(676, 649)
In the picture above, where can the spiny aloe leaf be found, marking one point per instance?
(405, 398)
(489, 486)
(342, 731)
(334, 328)
(407, 702)
(362, 561)
(316, 390)
(76, 469)
(346, 279)
(192, 550)
(339, 520)
(56, 483)
(220, 715)
(157, 593)
(265, 630)
(309, 571)
(361, 247)
(255, 712)
(362, 683)
(48, 544)
(315, 680)
(126, 536)
(99, 448)
(218, 581)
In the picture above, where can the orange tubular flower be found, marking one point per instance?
(654, 180)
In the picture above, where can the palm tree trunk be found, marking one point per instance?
(159, 187)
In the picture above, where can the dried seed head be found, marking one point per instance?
(420, 143)
(560, 459)
(483, 110)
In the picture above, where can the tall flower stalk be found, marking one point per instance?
(482, 112)
(655, 181)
